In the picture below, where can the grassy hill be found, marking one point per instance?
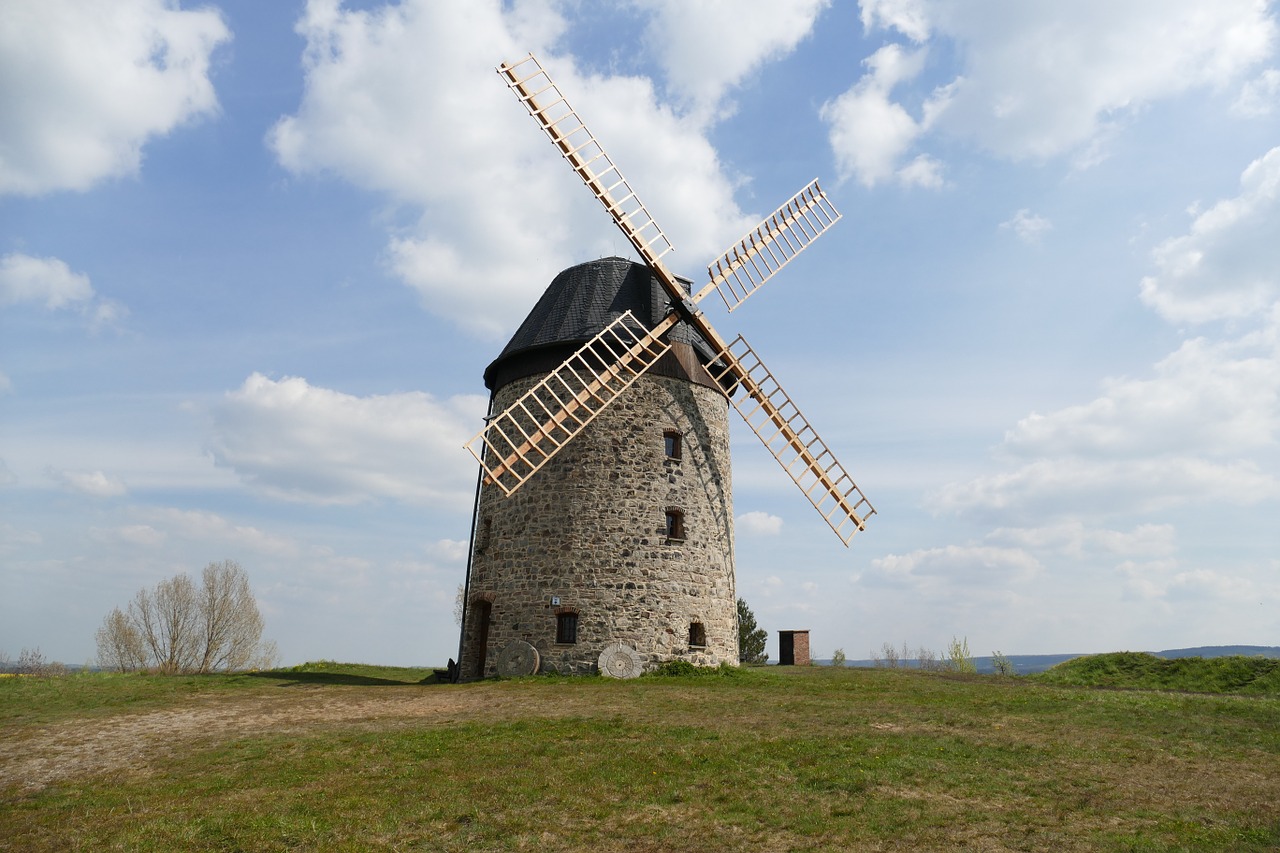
(338, 757)
(1233, 674)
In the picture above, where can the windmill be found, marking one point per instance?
(552, 417)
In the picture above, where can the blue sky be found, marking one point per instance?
(254, 258)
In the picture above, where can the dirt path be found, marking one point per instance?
(140, 741)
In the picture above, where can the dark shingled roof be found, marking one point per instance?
(580, 302)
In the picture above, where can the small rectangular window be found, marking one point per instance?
(567, 628)
(675, 524)
(672, 440)
(697, 634)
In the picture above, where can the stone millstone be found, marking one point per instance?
(620, 661)
(518, 658)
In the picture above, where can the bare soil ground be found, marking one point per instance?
(135, 742)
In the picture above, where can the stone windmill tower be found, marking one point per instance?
(603, 534)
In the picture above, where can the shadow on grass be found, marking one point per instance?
(297, 679)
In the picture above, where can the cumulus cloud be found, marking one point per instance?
(50, 282)
(1043, 80)
(1065, 484)
(1201, 428)
(1218, 399)
(758, 523)
(491, 212)
(93, 483)
(1259, 96)
(301, 442)
(870, 133)
(933, 570)
(1029, 227)
(1167, 581)
(1074, 539)
(84, 87)
(1228, 265)
(209, 527)
(700, 63)
(46, 281)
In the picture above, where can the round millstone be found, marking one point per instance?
(620, 661)
(518, 658)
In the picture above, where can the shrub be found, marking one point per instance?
(960, 659)
(837, 657)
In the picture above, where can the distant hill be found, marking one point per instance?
(1028, 664)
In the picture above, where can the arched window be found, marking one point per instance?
(675, 524)
(567, 627)
(671, 440)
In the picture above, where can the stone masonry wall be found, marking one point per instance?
(589, 529)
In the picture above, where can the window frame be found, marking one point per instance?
(567, 626)
(673, 445)
(697, 632)
(673, 526)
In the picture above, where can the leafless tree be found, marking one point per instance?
(120, 646)
(33, 662)
(179, 627)
(229, 617)
(168, 620)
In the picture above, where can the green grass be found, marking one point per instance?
(768, 759)
(1235, 674)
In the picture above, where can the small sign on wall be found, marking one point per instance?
(555, 601)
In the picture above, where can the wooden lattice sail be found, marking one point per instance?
(520, 440)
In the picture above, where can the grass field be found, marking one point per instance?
(342, 757)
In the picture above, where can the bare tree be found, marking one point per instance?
(33, 662)
(167, 619)
(120, 645)
(229, 618)
(179, 627)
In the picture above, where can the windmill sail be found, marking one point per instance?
(544, 101)
(516, 443)
(769, 247)
(523, 438)
(776, 420)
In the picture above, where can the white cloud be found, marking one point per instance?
(909, 17)
(1028, 226)
(933, 570)
(41, 280)
(1228, 265)
(1165, 581)
(869, 132)
(49, 281)
(449, 550)
(93, 483)
(85, 86)
(1259, 96)
(1071, 485)
(208, 527)
(923, 171)
(1202, 428)
(701, 63)
(494, 213)
(143, 535)
(1217, 399)
(1043, 80)
(759, 523)
(1075, 539)
(300, 442)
